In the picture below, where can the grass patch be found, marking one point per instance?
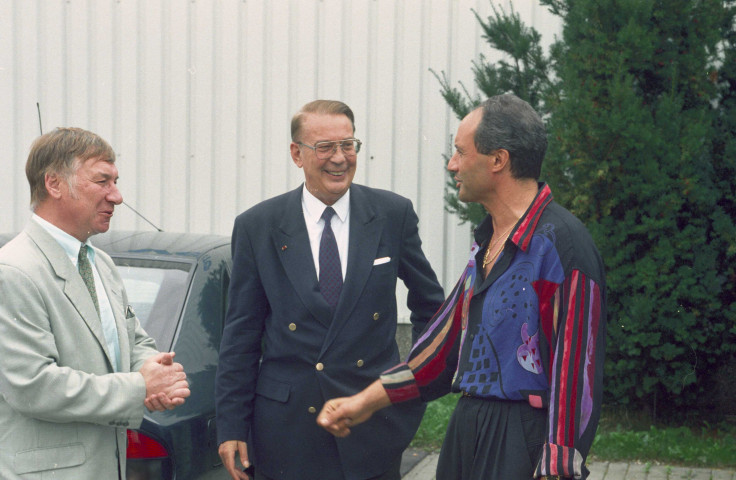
(622, 436)
(434, 424)
(626, 435)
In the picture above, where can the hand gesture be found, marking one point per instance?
(166, 382)
(227, 452)
(339, 414)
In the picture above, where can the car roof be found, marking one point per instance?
(158, 244)
(151, 243)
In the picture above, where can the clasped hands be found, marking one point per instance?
(166, 382)
(340, 414)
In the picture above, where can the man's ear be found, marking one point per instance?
(296, 154)
(52, 182)
(500, 160)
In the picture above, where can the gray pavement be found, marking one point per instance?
(419, 465)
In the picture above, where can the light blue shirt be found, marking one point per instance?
(71, 246)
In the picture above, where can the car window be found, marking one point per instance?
(156, 290)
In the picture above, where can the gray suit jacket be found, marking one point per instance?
(63, 411)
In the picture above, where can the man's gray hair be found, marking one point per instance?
(511, 124)
(61, 152)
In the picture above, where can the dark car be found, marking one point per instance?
(177, 284)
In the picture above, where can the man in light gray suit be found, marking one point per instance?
(76, 368)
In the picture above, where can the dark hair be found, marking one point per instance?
(512, 124)
(321, 107)
(61, 152)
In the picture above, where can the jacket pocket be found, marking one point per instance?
(49, 458)
(273, 389)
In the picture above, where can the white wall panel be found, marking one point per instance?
(196, 97)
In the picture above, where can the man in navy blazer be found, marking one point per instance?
(289, 345)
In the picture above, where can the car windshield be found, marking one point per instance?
(156, 291)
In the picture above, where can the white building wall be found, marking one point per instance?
(196, 97)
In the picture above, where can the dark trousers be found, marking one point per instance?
(393, 473)
(492, 440)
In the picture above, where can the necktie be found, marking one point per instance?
(330, 272)
(85, 270)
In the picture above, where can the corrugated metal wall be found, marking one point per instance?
(196, 97)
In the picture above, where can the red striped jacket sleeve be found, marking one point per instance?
(577, 337)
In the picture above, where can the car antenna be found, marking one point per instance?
(144, 218)
(40, 127)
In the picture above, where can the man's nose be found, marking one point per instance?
(452, 164)
(115, 196)
(338, 156)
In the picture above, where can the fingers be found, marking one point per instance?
(154, 404)
(243, 452)
(166, 382)
(167, 358)
(332, 419)
(160, 402)
(227, 454)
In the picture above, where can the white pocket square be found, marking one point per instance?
(381, 261)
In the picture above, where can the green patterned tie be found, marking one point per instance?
(85, 270)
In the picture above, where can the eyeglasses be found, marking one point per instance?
(324, 150)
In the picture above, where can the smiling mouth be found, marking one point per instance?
(334, 174)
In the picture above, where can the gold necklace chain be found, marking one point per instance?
(504, 236)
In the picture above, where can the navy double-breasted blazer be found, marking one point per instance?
(284, 354)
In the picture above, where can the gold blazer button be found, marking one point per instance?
(319, 367)
(292, 326)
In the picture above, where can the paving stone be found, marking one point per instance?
(597, 470)
(616, 471)
(425, 469)
(637, 471)
(723, 475)
(683, 473)
(658, 472)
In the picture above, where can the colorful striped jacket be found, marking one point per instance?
(533, 330)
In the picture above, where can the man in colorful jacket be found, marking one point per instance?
(522, 335)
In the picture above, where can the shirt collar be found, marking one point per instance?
(70, 244)
(313, 207)
(522, 233)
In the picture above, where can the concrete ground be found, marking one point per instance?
(420, 465)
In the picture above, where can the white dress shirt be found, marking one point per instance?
(313, 208)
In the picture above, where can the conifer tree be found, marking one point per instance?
(640, 102)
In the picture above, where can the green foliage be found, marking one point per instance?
(631, 154)
(675, 446)
(623, 434)
(639, 97)
(432, 430)
(629, 435)
(523, 70)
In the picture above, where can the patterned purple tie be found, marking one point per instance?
(330, 272)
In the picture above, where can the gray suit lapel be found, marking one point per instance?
(291, 241)
(74, 287)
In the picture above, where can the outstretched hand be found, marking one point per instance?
(340, 414)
